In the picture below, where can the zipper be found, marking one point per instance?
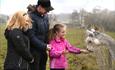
(28, 44)
(20, 62)
(27, 66)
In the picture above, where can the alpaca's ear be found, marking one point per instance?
(101, 29)
(88, 32)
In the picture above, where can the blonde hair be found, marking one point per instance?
(18, 20)
(52, 31)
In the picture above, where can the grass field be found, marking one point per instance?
(2, 46)
(76, 61)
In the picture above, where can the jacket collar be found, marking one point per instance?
(58, 40)
(38, 14)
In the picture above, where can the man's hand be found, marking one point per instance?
(48, 47)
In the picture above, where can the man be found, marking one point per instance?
(38, 34)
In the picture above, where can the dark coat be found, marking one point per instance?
(38, 39)
(39, 32)
(18, 55)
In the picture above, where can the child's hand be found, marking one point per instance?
(65, 52)
(84, 51)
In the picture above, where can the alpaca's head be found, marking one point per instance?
(91, 39)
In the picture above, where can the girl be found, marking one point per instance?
(18, 54)
(60, 46)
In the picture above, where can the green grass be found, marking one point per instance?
(76, 61)
(2, 46)
(76, 36)
(112, 34)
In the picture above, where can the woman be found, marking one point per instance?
(18, 54)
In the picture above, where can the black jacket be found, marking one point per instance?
(38, 39)
(39, 33)
(18, 55)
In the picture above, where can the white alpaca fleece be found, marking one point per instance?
(96, 41)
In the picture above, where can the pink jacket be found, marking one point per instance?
(57, 59)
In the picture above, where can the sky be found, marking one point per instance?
(8, 7)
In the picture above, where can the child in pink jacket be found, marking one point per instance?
(59, 47)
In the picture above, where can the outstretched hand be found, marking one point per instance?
(84, 51)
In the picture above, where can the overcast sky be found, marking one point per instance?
(8, 7)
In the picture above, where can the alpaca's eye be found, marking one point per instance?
(90, 35)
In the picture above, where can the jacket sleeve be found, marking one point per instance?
(20, 46)
(38, 44)
(71, 48)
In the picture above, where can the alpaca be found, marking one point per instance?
(103, 47)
